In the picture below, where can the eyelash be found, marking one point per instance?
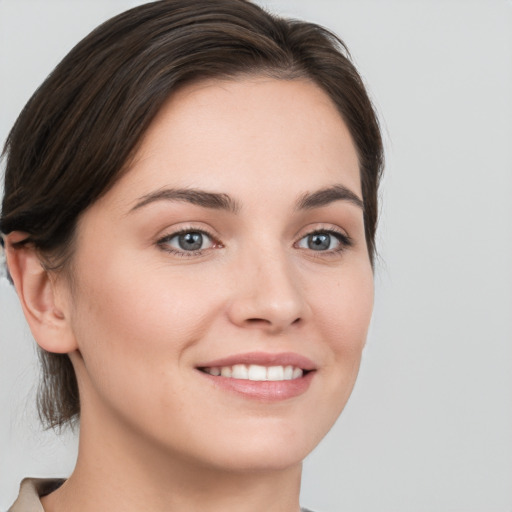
(163, 242)
(344, 240)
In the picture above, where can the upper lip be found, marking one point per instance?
(263, 359)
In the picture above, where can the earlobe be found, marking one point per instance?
(37, 291)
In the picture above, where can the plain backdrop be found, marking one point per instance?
(429, 425)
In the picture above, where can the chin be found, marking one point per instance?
(275, 447)
(257, 458)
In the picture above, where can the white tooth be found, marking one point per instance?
(288, 373)
(297, 373)
(257, 372)
(275, 373)
(213, 371)
(225, 371)
(239, 372)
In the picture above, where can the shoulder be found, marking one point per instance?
(31, 489)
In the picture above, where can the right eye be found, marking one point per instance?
(187, 242)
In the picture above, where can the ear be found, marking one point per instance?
(41, 295)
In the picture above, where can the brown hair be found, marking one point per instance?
(73, 139)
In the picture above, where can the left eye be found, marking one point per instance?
(189, 241)
(321, 241)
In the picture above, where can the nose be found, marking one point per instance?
(268, 295)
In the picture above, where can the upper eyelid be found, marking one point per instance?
(321, 227)
(342, 236)
(302, 233)
(171, 233)
(164, 239)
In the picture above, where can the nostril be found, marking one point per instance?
(257, 321)
(263, 322)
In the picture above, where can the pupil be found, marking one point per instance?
(191, 241)
(319, 242)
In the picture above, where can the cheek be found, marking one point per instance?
(133, 322)
(134, 328)
(345, 307)
(128, 300)
(343, 311)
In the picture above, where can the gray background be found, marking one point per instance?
(429, 426)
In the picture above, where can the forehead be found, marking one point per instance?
(251, 132)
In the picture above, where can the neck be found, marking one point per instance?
(116, 471)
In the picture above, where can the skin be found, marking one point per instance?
(138, 318)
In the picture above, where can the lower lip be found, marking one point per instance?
(265, 390)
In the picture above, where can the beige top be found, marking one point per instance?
(32, 489)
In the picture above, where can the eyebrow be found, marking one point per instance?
(220, 201)
(202, 198)
(328, 195)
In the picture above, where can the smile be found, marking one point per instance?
(256, 372)
(261, 376)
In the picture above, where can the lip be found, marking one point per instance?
(263, 391)
(263, 359)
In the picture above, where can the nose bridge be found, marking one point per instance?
(268, 292)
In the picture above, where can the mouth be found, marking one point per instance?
(264, 377)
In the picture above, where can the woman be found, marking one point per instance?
(189, 220)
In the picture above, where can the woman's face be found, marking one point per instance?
(235, 246)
